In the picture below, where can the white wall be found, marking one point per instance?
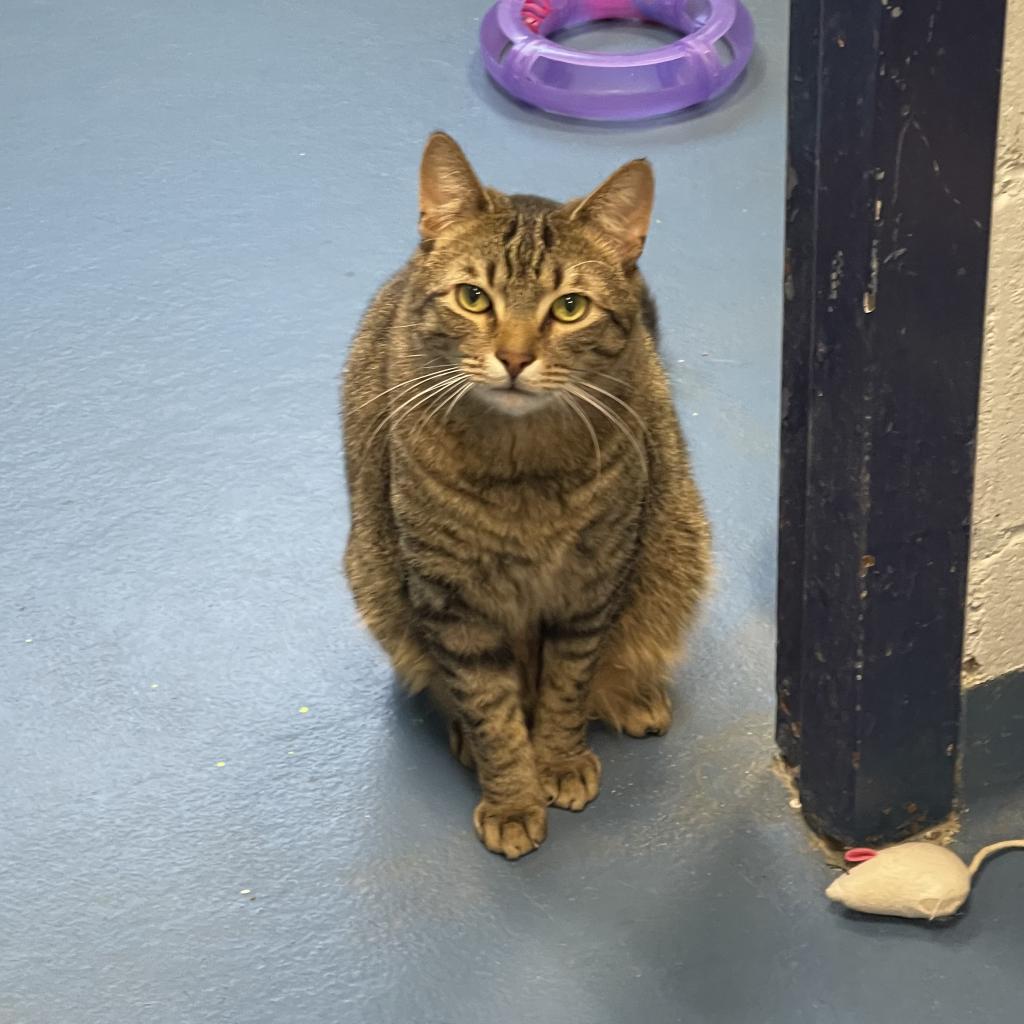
(994, 643)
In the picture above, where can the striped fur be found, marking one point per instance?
(531, 569)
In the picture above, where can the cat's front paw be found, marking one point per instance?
(573, 782)
(512, 831)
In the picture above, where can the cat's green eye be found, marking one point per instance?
(569, 308)
(472, 299)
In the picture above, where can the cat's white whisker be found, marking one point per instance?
(404, 384)
(571, 403)
(421, 396)
(611, 376)
(615, 419)
(614, 398)
(458, 398)
(437, 404)
(424, 396)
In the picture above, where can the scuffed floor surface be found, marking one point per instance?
(213, 807)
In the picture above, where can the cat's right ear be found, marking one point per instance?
(449, 190)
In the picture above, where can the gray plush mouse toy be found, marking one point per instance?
(919, 880)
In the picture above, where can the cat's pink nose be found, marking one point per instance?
(515, 362)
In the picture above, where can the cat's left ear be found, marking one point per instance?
(449, 189)
(620, 209)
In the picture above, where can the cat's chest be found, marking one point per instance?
(525, 548)
(530, 553)
(525, 576)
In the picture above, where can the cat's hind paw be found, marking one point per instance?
(645, 712)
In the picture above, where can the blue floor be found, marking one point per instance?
(214, 807)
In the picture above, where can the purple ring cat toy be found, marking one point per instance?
(615, 86)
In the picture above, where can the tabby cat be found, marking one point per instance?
(527, 541)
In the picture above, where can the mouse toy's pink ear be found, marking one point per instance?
(860, 854)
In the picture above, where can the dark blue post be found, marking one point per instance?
(892, 126)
